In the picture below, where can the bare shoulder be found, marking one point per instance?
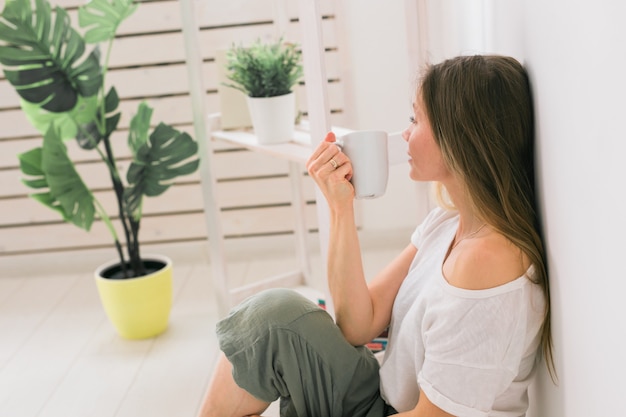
(485, 262)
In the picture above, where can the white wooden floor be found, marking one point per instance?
(60, 357)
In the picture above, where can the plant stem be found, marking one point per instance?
(133, 248)
(119, 194)
(130, 225)
(107, 220)
(105, 67)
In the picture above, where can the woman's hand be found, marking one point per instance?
(331, 170)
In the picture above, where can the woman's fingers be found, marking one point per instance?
(338, 161)
(329, 167)
(323, 146)
(323, 153)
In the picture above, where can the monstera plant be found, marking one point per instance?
(62, 87)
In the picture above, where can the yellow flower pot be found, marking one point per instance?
(138, 308)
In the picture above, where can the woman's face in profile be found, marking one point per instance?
(426, 161)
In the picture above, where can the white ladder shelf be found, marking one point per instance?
(296, 153)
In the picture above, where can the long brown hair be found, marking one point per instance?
(481, 113)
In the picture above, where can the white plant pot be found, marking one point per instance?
(273, 118)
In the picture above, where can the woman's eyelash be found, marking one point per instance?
(412, 119)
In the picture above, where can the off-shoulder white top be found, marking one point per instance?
(472, 352)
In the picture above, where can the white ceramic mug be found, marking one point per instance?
(367, 150)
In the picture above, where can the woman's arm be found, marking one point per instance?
(361, 311)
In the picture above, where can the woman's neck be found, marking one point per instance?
(469, 221)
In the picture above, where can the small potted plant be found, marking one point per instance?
(266, 73)
(63, 94)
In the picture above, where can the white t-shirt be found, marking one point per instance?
(472, 352)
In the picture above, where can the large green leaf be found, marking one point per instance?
(50, 167)
(83, 113)
(111, 103)
(30, 163)
(103, 17)
(45, 59)
(139, 127)
(167, 154)
(89, 134)
(65, 183)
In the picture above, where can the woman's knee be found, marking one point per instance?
(278, 305)
(273, 308)
(267, 326)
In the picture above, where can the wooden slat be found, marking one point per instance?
(8, 97)
(170, 45)
(231, 165)
(13, 147)
(173, 110)
(158, 229)
(179, 198)
(176, 110)
(171, 49)
(147, 81)
(163, 16)
(142, 82)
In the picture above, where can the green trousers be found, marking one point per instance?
(281, 345)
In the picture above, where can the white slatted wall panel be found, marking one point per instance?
(148, 62)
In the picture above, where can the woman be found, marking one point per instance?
(466, 302)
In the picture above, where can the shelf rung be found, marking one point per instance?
(287, 280)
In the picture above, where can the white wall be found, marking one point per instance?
(379, 96)
(575, 51)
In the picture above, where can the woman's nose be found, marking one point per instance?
(405, 134)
